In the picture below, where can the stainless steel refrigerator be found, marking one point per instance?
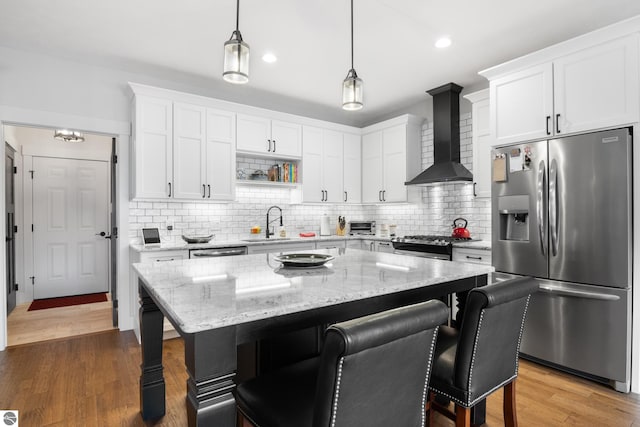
(562, 212)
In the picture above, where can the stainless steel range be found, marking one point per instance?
(436, 247)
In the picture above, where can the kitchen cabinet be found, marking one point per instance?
(183, 151)
(482, 142)
(268, 138)
(352, 168)
(331, 244)
(472, 255)
(391, 155)
(375, 246)
(589, 89)
(384, 247)
(153, 147)
(322, 165)
(280, 247)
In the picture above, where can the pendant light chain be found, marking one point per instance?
(351, 34)
(237, 15)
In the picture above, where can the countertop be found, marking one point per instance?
(167, 246)
(210, 293)
(474, 244)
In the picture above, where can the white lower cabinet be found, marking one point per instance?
(331, 244)
(152, 256)
(384, 247)
(473, 256)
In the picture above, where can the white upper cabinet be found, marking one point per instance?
(592, 88)
(322, 165)
(482, 142)
(268, 138)
(182, 151)
(153, 147)
(391, 155)
(597, 87)
(220, 155)
(372, 173)
(352, 174)
(522, 105)
(189, 151)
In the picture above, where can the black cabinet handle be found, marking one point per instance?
(345, 196)
(380, 195)
(479, 258)
(548, 120)
(169, 189)
(268, 145)
(204, 191)
(474, 190)
(208, 185)
(322, 195)
(384, 195)
(274, 145)
(557, 123)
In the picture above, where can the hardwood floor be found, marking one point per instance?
(92, 380)
(24, 327)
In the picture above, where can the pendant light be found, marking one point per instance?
(352, 84)
(236, 56)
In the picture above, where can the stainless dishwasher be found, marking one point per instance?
(217, 252)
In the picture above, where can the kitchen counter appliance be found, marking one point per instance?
(561, 212)
(436, 247)
(362, 228)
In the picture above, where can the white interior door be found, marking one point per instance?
(70, 209)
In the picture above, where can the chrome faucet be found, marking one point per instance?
(266, 231)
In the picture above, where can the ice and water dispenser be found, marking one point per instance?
(514, 217)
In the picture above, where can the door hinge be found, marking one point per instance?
(32, 228)
(114, 159)
(114, 232)
(15, 169)
(15, 286)
(31, 172)
(33, 279)
(15, 228)
(115, 303)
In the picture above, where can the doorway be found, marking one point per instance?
(66, 220)
(10, 250)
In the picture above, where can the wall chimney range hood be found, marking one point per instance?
(446, 139)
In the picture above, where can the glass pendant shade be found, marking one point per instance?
(236, 60)
(352, 92)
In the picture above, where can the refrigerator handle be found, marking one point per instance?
(557, 290)
(540, 208)
(553, 206)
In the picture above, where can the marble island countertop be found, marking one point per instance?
(211, 293)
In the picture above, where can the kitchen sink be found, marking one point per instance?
(264, 239)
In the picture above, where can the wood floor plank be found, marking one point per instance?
(92, 380)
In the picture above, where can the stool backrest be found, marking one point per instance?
(374, 370)
(489, 340)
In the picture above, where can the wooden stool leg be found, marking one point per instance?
(243, 421)
(463, 416)
(509, 405)
(430, 409)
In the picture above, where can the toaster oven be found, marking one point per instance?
(362, 228)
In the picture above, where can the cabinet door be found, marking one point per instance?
(384, 247)
(352, 169)
(221, 155)
(189, 153)
(481, 148)
(522, 105)
(332, 166)
(253, 134)
(286, 139)
(394, 155)
(153, 147)
(372, 167)
(312, 165)
(597, 87)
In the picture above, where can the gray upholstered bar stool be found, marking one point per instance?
(372, 371)
(482, 356)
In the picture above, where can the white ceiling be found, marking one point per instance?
(394, 52)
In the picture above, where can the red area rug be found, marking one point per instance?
(41, 304)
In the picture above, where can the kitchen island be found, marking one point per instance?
(217, 304)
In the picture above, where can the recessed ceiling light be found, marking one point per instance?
(443, 42)
(269, 57)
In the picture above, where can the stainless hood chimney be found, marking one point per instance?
(446, 139)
